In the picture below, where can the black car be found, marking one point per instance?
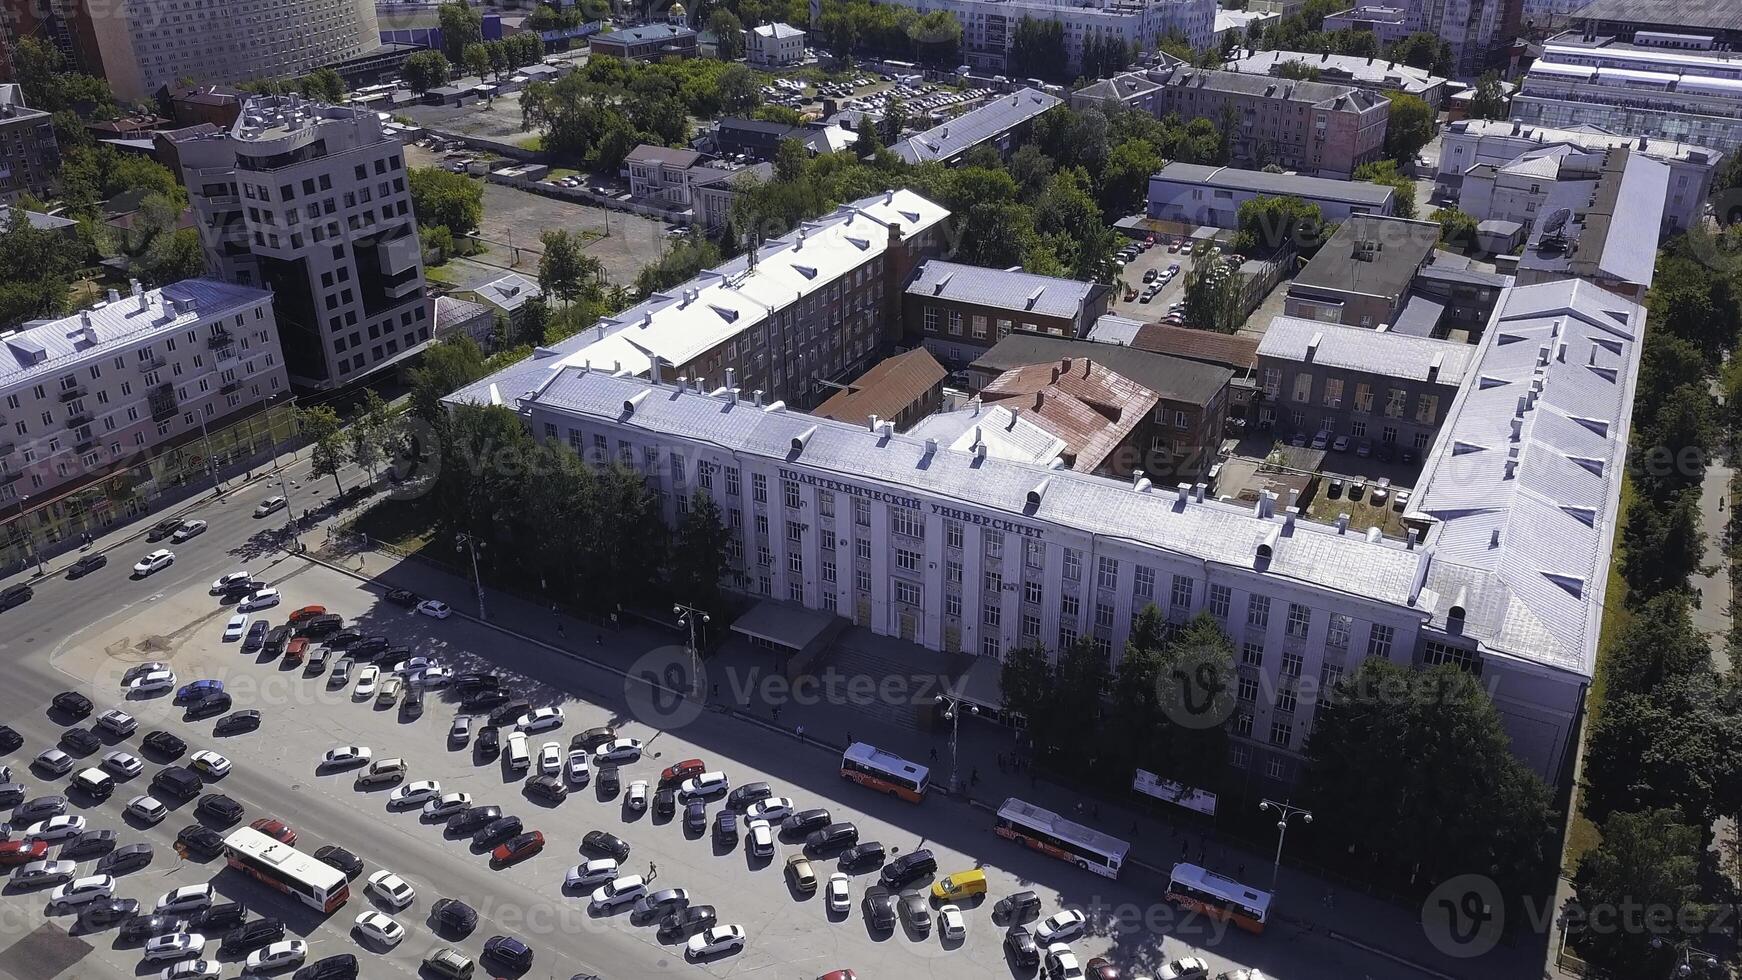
(245, 720)
(805, 821)
(40, 808)
(835, 835)
(664, 803)
(688, 921)
(1020, 947)
(140, 928)
(164, 744)
(404, 597)
(342, 966)
(454, 917)
(608, 781)
(15, 595)
(163, 529)
(1020, 907)
(487, 698)
(104, 913)
(488, 744)
(695, 816)
(203, 841)
(726, 827)
(508, 951)
(177, 781)
(747, 794)
(471, 819)
(909, 867)
(549, 788)
(497, 831)
(126, 858)
(343, 638)
(81, 740)
(88, 844)
(879, 908)
(256, 637)
(867, 854)
(206, 707)
(325, 624)
(219, 808)
(366, 648)
(10, 740)
(916, 913)
(72, 703)
(251, 936)
(592, 738)
(506, 714)
(276, 640)
(342, 859)
(217, 918)
(476, 680)
(606, 843)
(86, 565)
(240, 588)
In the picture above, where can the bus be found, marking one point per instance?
(1218, 896)
(870, 766)
(278, 865)
(1051, 834)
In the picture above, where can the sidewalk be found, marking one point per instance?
(1306, 904)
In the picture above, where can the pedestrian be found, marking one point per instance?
(561, 632)
(598, 639)
(775, 712)
(1183, 846)
(652, 870)
(716, 689)
(1242, 870)
(974, 777)
(849, 736)
(934, 755)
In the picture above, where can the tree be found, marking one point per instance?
(1647, 861)
(1385, 172)
(1671, 446)
(868, 142)
(1457, 229)
(1489, 101)
(728, 33)
(565, 270)
(534, 321)
(1037, 50)
(1125, 181)
(36, 270)
(462, 27)
(1657, 643)
(1171, 698)
(49, 86)
(681, 261)
(1425, 51)
(1296, 69)
(1267, 224)
(321, 424)
(739, 89)
(447, 367)
(476, 58)
(1030, 167)
(1396, 754)
(1410, 127)
(323, 85)
(450, 200)
(698, 556)
(1212, 296)
(426, 70)
(372, 432)
(1661, 544)
(893, 122)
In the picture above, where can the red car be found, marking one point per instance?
(306, 612)
(296, 650)
(681, 771)
(838, 975)
(22, 851)
(519, 848)
(276, 829)
(1100, 969)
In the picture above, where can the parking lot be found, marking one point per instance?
(1148, 304)
(172, 617)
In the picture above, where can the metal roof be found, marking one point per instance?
(1376, 71)
(1093, 409)
(1612, 230)
(1172, 377)
(887, 389)
(1005, 434)
(1391, 251)
(951, 139)
(1018, 292)
(665, 156)
(1384, 353)
(1675, 13)
(776, 31)
(1289, 185)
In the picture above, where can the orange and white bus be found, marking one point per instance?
(1049, 833)
(870, 766)
(278, 865)
(1218, 896)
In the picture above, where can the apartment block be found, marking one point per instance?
(958, 312)
(311, 202)
(102, 389)
(903, 389)
(1691, 96)
(774, 45)
(1196, 194)
(989, 26)
(1389, 24)
(1001, 124)
(29, 151)
(1369, 73)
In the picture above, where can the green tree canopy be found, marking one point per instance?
(426, 70)
(462, 26)
(1385, 172)
(1648, 861)
(440, 197)
(1411, 126)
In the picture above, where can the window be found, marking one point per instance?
(828, 571)
(1303, 387)
(862, 512)
(795, 591)
(1272, 382)
(953, 572)
(862, 549)
(1030, 626)
(1248, 691)
(1441, 653)
(953, 535)
(906, 521)
(1073, 565)
(1280, 731)
(677, 465)
(825, 503)
(994, 580)
(704, 474)
(759, 487)
(1182, 591)
(1427, 408)
(794, 532)
(953, 605)
(907, 561)
(1330, 675)
(862, 579)
(1107, 573)
(1394, 403)
(1031, 591)
(992, 615)
(1300, 619)
(1221, 597)
(994, 543)
(1291, 664)
(1145, 586)
(1243, 724)
(1337, 633)
(906, 593)
(1033, 554)
(1363, 398)
(1258, 611)
(1379, 642)
(1333, 397)
(989, 645)
(931, 319)
(1276, 769)
(955, 323)
(732, 486)
(1069, 609)
(795, 563)
(764, 557)
(1104, 615)
(1252, 653)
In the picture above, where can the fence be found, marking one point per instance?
(584, 195)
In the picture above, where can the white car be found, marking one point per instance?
(1060, 926)
(550, 759)
(434, 607)
(592, 873)
(616, 891)
(1061, 963)
(446, 806)
(175, 946)
(140, 670)
(147, 810)
(539, 720)
(720, 939)
(347, 755)
(366, 679)
(225, 581)
(380, 927)
(391, 888)
(56, 829)
(261, 599)
(623, 750)
(951, 925)
(236, 628)
(157, 561)
(579, 769)
(188, 530)
(412, 665)
(82, 890)
(707, 784)
(187, 898)
(1184, 968)
(157, 680)
(45, 872)
(774, 809)
(123, 763)
(210, 763)
(118, 721)
(269, 505)
(192, 969)
(636, 798)
(278, 956)
(414, 793)
(838, 893)
(433, 677)
(55, 761)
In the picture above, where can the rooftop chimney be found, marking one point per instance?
(1185, 491)
(1342, 523)
(1375, 535)
(872, 423)
(758, 396)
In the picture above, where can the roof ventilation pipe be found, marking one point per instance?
(1267, 547)
(633, 402)
(1038, 492)
(802, 439)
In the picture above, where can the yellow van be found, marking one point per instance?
(960, 885)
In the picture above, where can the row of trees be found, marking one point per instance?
(852, 27)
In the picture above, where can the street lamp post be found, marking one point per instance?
(1284, 813)
(211, 457)
(1689, 958)
(29, 538)
(687, 616)
(953, 714)
(464, 540)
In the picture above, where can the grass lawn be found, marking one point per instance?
(534, 143)
(399, 523)
(439, 273)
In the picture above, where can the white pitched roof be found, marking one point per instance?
(1386, 353)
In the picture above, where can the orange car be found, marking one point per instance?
(681, 771)
(296, 650)
(22, 851)
(276, 829)
(306, 612)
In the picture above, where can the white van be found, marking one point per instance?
(518, 758)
